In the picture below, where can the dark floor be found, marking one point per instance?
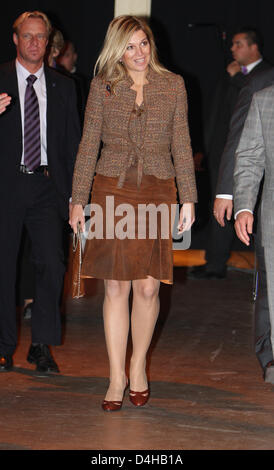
(207, 390)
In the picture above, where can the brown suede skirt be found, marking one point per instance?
(117, 250)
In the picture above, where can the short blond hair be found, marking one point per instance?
(32, 14)
(108, 65)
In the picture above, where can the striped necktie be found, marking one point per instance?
(32, 141)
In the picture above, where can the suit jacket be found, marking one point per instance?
(220, 112)
(82, 89)
(63, 134)
(254, 159)
(166, 135)
(259, 78)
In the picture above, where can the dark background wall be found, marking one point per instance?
(194, 39)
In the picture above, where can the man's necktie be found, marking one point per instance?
(32, 141)
(244, 70)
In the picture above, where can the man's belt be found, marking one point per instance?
(41, 170)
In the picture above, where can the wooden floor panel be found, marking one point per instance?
(207, 390)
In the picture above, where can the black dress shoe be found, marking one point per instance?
(6, 362)
(203, 272)
(40, 355)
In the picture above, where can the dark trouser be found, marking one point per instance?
(263, 347)
(219, 244)
(25, 275)
(33, 204)
(217, 254)
(220, 239)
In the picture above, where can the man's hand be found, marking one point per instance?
(243, 226)
(233, 68)
(4, 102)
(221, 207)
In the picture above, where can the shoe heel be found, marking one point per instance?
(114, 405)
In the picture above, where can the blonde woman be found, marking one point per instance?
(138, 109)
(56, 44)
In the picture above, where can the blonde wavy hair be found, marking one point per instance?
(108, 65)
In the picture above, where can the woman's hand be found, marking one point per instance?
(187, 217)
(77, 215)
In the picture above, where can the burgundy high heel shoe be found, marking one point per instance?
(114, 405)
(139, 398)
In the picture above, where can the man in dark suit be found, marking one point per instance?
(246, 49)
(223, 208)
(39, 137)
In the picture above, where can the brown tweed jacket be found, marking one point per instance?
(166, 150)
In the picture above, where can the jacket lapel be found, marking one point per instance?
(11, 87)
(151, 99)
(127, 96)
(126, 99)
(52, 107)
(258, 68)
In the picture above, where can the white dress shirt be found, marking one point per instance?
(41, 92)
(251, 66)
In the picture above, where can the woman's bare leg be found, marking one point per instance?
(116, 326)
(145, 311)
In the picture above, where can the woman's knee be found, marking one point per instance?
(116, 289)
(148, 289)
